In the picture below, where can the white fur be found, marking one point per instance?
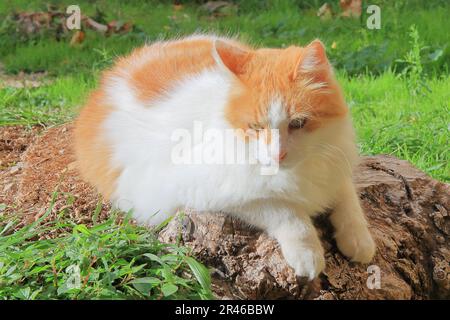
(316, 172)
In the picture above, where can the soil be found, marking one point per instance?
(14, 141)
(37, 166)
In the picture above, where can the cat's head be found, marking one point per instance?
(291, 90)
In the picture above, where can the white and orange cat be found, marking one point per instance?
(124, 144)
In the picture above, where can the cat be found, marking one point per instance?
(124, 141)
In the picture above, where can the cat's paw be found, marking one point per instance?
(356, 243)
(306, 261)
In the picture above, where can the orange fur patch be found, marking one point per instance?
(91, 149)
(153, 69)
(272, 73)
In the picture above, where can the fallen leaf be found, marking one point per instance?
(219, 8)
(77, 38)
(95, 25)
(177, 7)
(325, 12)
(351, 8)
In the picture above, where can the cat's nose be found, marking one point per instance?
(282, 155)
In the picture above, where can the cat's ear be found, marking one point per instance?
(230, 56)
(313, 62)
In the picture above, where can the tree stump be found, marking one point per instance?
(408, 213)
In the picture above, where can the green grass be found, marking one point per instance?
(268, 23)
(396, 82)
(110, 260)
(389, 120)
(52, 103)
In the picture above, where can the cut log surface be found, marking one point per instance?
(408, 213)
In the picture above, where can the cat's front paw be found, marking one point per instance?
(356, 243)
(306, 261)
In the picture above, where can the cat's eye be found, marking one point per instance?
(297, 123)
(256, 126)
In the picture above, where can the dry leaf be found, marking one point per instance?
(325, 12)
(77, 38)
(177, 7)
(351, 8)
(219, 8)
(95, 25)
